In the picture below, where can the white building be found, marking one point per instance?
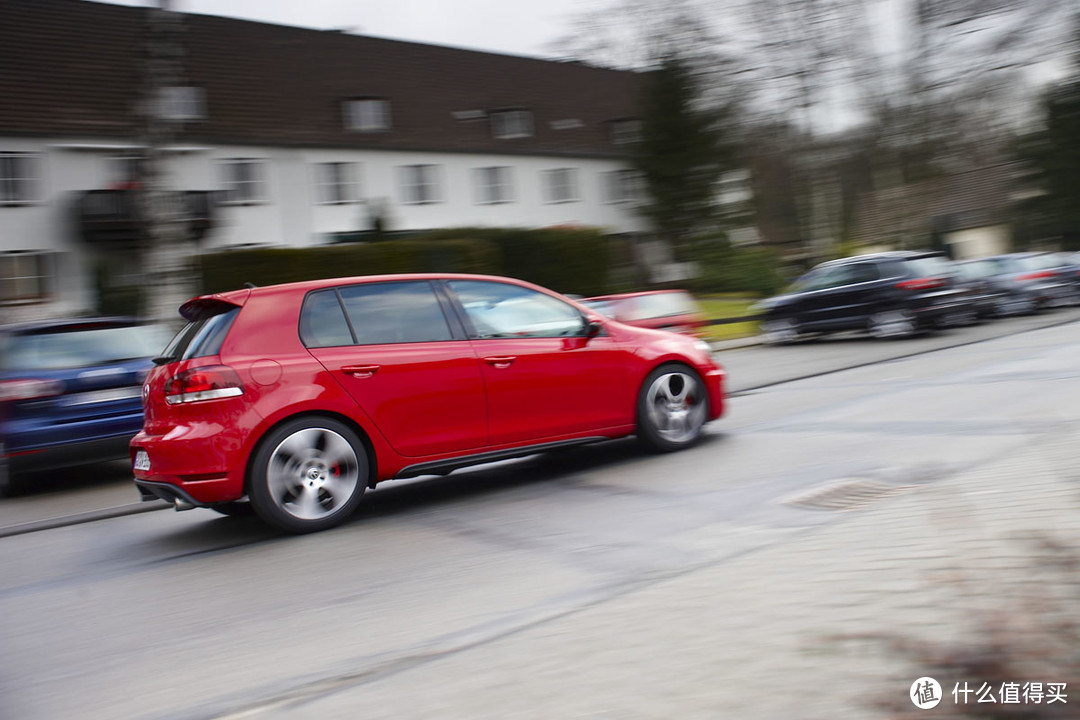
(284, 136)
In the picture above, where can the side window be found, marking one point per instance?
(500, 310)
(395, 312)
(864, 272)
(830, 277)
(322, 321)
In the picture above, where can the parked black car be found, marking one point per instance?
(893, 294)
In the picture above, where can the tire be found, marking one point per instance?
(892, 324)
(238, 508)
(781, 331)
(672, 408)
(308, 474)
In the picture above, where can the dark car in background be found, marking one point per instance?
(71, 393)
(892, 294)
(674, 310)
(1026, 282)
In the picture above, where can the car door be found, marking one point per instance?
(545, 376)
(405, 361)
(848, 302)
(824, 296)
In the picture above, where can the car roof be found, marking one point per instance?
(69, 324)
(239, 297)
(888, 255)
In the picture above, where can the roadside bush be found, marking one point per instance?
(569, 260)
(229, 270)
(723, 268)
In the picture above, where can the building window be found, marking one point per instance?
(243, 181)
(493, 185)
(623, 186)
(181, 103)
(561, 185)
(335, 183)
(625, 132)
(510, 124)
(24, 276)
(367, 115)
(18, 178)
(420, 184)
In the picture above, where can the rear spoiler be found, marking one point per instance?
(205, 306)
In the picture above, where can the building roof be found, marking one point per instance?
(75, 68)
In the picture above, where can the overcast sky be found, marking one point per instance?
(518, 27)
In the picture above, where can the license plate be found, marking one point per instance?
(142, 461)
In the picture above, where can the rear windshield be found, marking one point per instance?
(644, 307)
(81, 347)
(202, 336)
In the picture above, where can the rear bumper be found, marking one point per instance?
(200, 465)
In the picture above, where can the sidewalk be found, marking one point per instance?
(755, 637)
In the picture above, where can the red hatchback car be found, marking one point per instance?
(290, 400)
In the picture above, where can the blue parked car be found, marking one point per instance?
(71, 393)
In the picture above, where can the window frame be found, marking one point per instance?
(44, 276)
(344, 186)
(623, 186)
(368, 115)
(181, 103)
(230, 184)
(418, 190)
(512, 124)
(28, 180)
(549, 186)
(499, 192)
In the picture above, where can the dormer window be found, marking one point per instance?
(181, 103)
(510, 124)
(367, 115)
(625, 132)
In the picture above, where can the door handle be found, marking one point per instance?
(360, 371)
(501, 361)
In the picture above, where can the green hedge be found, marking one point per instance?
(724, 268)
(229, 270)
(568, 260)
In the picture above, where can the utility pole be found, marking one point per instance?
(165, 248)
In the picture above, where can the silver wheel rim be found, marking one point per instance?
(313, 473)
(892, 323)
(776, 332)
(675, 404)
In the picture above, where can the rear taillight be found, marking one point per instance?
(205, 383)
(1041, 275)
(28, 389)
(921, 284)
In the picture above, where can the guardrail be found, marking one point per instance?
(729, 321)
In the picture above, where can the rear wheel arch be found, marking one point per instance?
(361, 433)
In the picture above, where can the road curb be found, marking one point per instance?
(84, 517)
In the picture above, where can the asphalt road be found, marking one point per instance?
(192, 615)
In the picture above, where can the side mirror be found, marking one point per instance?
(593, 327)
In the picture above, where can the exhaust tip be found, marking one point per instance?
(181, 505)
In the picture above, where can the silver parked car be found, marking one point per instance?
(1021, 283)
